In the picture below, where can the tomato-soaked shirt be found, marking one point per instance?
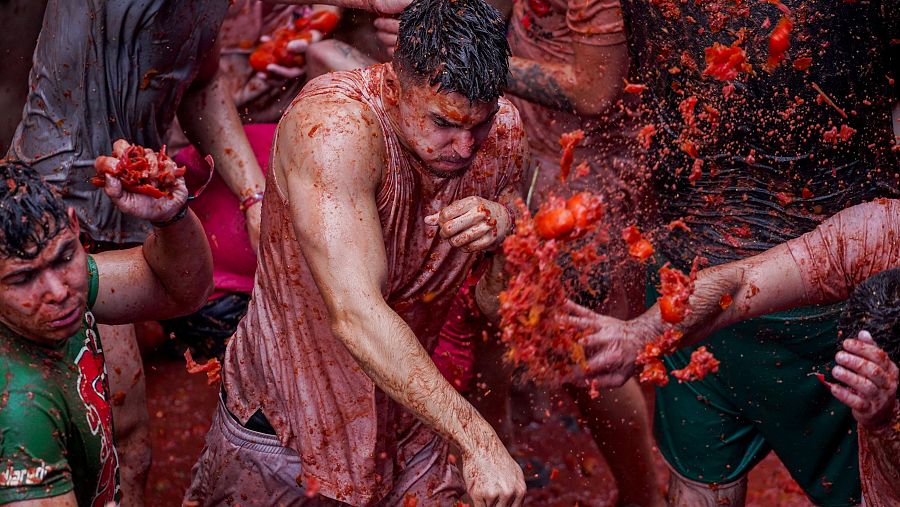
(544, 31)
(284, 358)
(832, 262)
(106, 70)
(56, 430)
(776, 158)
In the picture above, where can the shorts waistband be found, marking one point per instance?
(249, 439)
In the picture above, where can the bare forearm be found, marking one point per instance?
(730, 293)
(388, 351)
(588, 92)
(211, 121)
(547, 84)
(179, 256)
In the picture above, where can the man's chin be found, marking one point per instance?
(447, 169)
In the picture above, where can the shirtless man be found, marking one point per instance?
(386, 185)
(820, 267)
(58, 448)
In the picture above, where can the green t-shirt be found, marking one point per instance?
(56, 429)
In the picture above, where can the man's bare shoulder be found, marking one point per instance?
(329, 117)
(328, 132)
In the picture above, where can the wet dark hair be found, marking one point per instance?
(874, 306)
(32, 213)
(459, 45)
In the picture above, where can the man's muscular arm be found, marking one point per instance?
(330, 155)
(588, 86)
(821, 266)
(168, 276)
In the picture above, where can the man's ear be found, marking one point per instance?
(392, 84)
(73, 221)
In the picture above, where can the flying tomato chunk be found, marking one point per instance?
(553, 223)
(725, 63)
(638, 247)
(702, 363)
(779, 42)
(568, 141)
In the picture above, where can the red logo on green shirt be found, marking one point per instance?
(92, 390)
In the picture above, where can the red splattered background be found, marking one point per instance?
(181, 407)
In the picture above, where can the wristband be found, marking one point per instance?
(175, 218)
(512, 218)
(250, 201)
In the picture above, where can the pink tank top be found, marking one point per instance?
(284, 358)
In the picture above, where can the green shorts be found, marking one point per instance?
(763, 399)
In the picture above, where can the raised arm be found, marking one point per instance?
(821, 266)
(168, 276)
(330, 154)
(210, 119)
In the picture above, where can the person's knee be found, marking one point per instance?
(689, 493)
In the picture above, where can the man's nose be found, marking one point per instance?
(464, 144)
(55, 288)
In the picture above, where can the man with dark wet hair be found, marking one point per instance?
(868, 365)
(56, 423)
(387, 185)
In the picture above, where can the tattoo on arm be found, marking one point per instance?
(533, 82)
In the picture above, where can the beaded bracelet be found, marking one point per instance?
(250, 201)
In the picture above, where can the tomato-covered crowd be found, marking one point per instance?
(392, 232)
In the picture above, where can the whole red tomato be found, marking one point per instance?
(554, 222)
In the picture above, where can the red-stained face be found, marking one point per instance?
(445, 130)
(44, 299)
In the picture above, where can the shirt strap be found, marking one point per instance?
(93, 281)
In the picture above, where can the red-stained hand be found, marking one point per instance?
(473, 224)
(493, 478)
(140, 205)
(387, 30)
(612, 344)
(869, 379)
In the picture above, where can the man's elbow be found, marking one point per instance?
(197, 293)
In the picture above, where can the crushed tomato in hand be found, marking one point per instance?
(311, 28)
(535, 335)
(568, 141)
(141, 170)
(212, 368)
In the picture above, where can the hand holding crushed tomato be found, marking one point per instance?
(473, 223)
(135, 202)
(867, 381)
(611, 344)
